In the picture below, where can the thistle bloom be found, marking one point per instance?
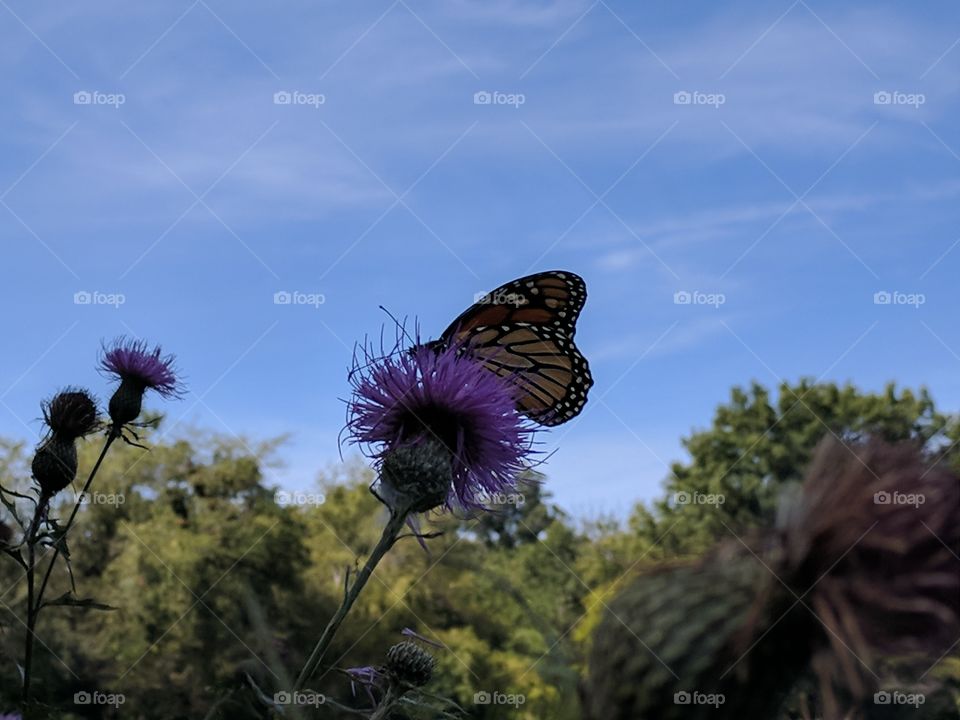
(138, 368)
(71, 413)
(446, 412)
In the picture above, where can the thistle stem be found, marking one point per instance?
(386, 706)
(387, 540)
(35, 598)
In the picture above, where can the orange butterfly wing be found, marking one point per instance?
(524, 331)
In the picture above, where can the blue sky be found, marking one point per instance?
(785, 187)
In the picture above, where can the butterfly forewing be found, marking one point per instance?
(523, 331)
(551, 299)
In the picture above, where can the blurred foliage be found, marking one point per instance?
(219, 587)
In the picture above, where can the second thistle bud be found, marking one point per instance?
(410, 663)
(55, 464)
(418, 477)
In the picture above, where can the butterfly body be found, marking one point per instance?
(523, 331)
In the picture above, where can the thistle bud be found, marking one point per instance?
(417, 477)
(55, 464)
(127, 401)
(410, 663)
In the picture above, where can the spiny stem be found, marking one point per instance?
(387, 539)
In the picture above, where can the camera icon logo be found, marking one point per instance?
(682, 98)
(682, 297)
(82, 698)
(482, 98)
(882, 297)
(681, 698)
(481, 698)
(282, 698)
(282, 98)
(882, 97)
(282, 297)
(82, 298)
(82, 97)
(882, 698)
(881, 498)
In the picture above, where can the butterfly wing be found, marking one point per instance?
(524, 331)
(549, 299)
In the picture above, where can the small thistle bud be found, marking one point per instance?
(410, 663)
(55, 464)
(417, 477)
(71, 414)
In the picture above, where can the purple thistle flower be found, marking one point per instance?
(442, 398)
(134, 360)
(138, 368)
(368, 677)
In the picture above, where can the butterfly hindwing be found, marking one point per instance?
(523, 331)
(545, 364)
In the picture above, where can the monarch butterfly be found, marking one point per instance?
(524, 331)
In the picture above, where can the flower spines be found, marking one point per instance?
(71, 413)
